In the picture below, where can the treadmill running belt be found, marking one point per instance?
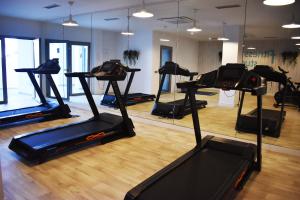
(180, 102)
(206, 169)
(57, 135)
(23, 111)
(270, 114)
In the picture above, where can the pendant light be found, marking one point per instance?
(127, 32)
(278, 2)
(70, 21)
(291, 25)
(143, 13)
(194, 29)
(223, 38)
(164, 37)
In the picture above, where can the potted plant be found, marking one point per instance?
(220, 56)
(290, 57)
(131, 56)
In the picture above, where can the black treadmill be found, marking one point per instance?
(271, 119)
(179, 108)
(215, 168)
(129, 98)
(39, 146)
(47, 110)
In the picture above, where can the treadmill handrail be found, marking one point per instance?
(37, 71)
(89, 75)
(196, 85)
(133, 69)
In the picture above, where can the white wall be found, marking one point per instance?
(185, 53)
(209, 56)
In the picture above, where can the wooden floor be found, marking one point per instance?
(107, 172)
(226, 118)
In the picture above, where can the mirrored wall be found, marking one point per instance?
(183, 40)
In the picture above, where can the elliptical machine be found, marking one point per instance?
(292, 92)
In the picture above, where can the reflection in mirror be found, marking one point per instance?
(202, 52)
(155, 41)
(267, 43)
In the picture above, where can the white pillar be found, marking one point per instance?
(231, 53)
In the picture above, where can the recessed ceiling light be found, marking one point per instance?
(127, 33)
(295, 38)
(164, 40)
(222, 39)
(251, 48)
(278, 2)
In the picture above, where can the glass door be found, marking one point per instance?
(59, 49)
(166, 55)
(3, 88)
(79, 63)
(19, 53)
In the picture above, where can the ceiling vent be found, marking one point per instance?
(228, 6)
(111, 19)
(270, 37)
(52, 6)
(175, 20)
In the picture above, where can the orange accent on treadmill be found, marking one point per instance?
(95, 136)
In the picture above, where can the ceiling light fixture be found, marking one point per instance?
(70, 21)
(291, 25)
(164, 40)
(194, 29)
(127, 32)
(223, 38)
(143, 13)
(251, 48)
(298, 44)
(295, 38)
(278, 2)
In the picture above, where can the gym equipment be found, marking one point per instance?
(215, 168)
(128, 99)
(292, 90)
(179, 108)
(100, 129)
(46, 110)
(271, 119)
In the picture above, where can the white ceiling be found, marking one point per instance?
(262, 21)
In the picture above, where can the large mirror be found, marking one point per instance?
(183, 40)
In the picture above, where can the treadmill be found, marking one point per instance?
(215, 168)
(102, 128)
(129, 98)
(47, 110)
(271, 119)
(179, 108)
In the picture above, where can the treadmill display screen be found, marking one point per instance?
(232, 74)
(229, 77)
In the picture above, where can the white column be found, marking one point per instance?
(232, 53)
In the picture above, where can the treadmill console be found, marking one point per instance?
(237, 77)
(230, 76)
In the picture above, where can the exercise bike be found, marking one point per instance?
(292, 96)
